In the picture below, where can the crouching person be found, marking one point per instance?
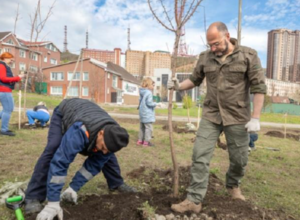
(87, 130)
(40, 113)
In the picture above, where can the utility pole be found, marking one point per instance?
(65, 41)
(128, 39)
(240, 23)
(87, 40)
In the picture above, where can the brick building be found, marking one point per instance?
(98, 81)
(30, 56)
(140, 63)
(103, 55)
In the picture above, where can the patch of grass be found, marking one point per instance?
(271, 176)
(214, 170)
(33, 98)
(148, 211)
(271, 180)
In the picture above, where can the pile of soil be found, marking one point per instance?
(25, 126)
(280, 134)
(177, 129)
(217, 205)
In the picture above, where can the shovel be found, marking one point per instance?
(15, 203)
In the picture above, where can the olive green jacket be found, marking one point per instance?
(229, 84)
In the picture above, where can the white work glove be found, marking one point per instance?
(173, 84)
(69, 195)
(49, 212)
(253, 125)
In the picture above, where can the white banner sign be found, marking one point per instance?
(130, 88)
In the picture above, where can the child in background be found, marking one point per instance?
(253, 137)
(146, 112)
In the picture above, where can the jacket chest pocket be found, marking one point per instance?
(235, 74)
(211, 74)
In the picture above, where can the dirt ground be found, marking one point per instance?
(218, 205)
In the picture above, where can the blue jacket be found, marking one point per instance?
(146, 109)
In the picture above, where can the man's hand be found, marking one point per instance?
(173, 84)
(69, 195)
(49, 212)
(253, 125)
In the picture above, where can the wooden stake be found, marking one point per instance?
(198, 119)
(20, 99)
(285, 117)
(74, 72)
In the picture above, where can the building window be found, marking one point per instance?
(56, 90)
(45, 59)
(22, 53)
(158, 79)
(22, 66)
(34, 56)
(7, 50)
(85, 76)
(115, 81)
(51, 47)
(33, 69)
(10, 41)
(76, 76)
(57, 76)
(85, 91)
(73, 91)
(53, 61)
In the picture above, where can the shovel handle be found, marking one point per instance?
(14, 199)
(19, 214)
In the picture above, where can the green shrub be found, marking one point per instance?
(187, 102)
(174, 105)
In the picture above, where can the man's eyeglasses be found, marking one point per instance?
(209, 46)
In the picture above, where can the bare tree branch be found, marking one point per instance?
(42, 23)
(167, 15)
(16, 20)
(188, 11)
(156, 17)
(42, 39)
(193, 11)
(176, 11)
(33, 21)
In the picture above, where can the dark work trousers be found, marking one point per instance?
(37, 187)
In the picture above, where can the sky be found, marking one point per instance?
(107, 22)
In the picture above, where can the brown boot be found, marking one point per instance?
(186, 205)
(236, 193)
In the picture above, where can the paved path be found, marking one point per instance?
(184, 119)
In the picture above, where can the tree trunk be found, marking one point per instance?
(174, 160)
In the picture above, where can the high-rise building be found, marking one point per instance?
(143, 63)
(283, 59)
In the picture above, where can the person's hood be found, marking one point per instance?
(144, 92)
